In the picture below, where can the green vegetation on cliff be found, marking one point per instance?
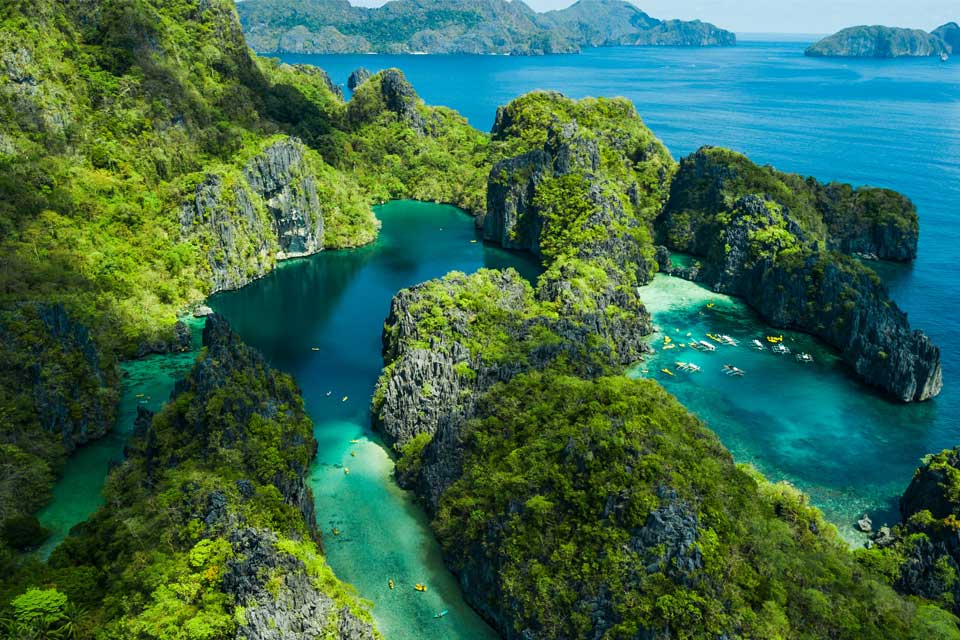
(885, 42)
(604, 506)
(208, 528)
(147, 159)
(831, 216)
(461, 26)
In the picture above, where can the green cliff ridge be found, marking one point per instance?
(462, 26)
(888, 42)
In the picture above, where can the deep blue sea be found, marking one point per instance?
(887, 123)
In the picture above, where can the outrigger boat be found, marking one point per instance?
(731, 370)
(780, 349)
(728, 340)
(758, 345)
(804, 357)
(688, 366)
(706, 345)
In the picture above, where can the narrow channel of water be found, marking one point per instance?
(321, 319)
(79, 491)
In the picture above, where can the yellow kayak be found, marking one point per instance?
(390, 584)
(668, 372)
(346, 471)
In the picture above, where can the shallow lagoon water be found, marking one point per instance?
(813, 425)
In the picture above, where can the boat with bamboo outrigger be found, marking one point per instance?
(805, 358)
(689, 367)
(780, 349)
(759, 346)
(706, 346)
(733, 371)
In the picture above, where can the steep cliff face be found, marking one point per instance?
(215, 483)
(835, 216)
(271, 212)
(55, 374)
(927, 539)
(387, 91)
(765, 241)
(879, 42)
(293, 608)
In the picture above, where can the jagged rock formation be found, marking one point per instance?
(462, 26)
(52, 365)
(272, 214)
(295, 610)
(885, 42)
(388, 91)
(927, 539)
(765, 240)
(219, 476)
(357, 78)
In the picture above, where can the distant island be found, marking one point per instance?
(889, 42)
(462, 26)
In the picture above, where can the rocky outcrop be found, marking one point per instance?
(928, 540)
(258, 393)
(180, 341)
(879, 42)
(766, 237)
(51, 363)
(357, 78)
(296, 609)
(836, 216)
(433, 378)
(516, 217)
(401, 98)
(272, 213)
(763, 256)
(432, 381)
